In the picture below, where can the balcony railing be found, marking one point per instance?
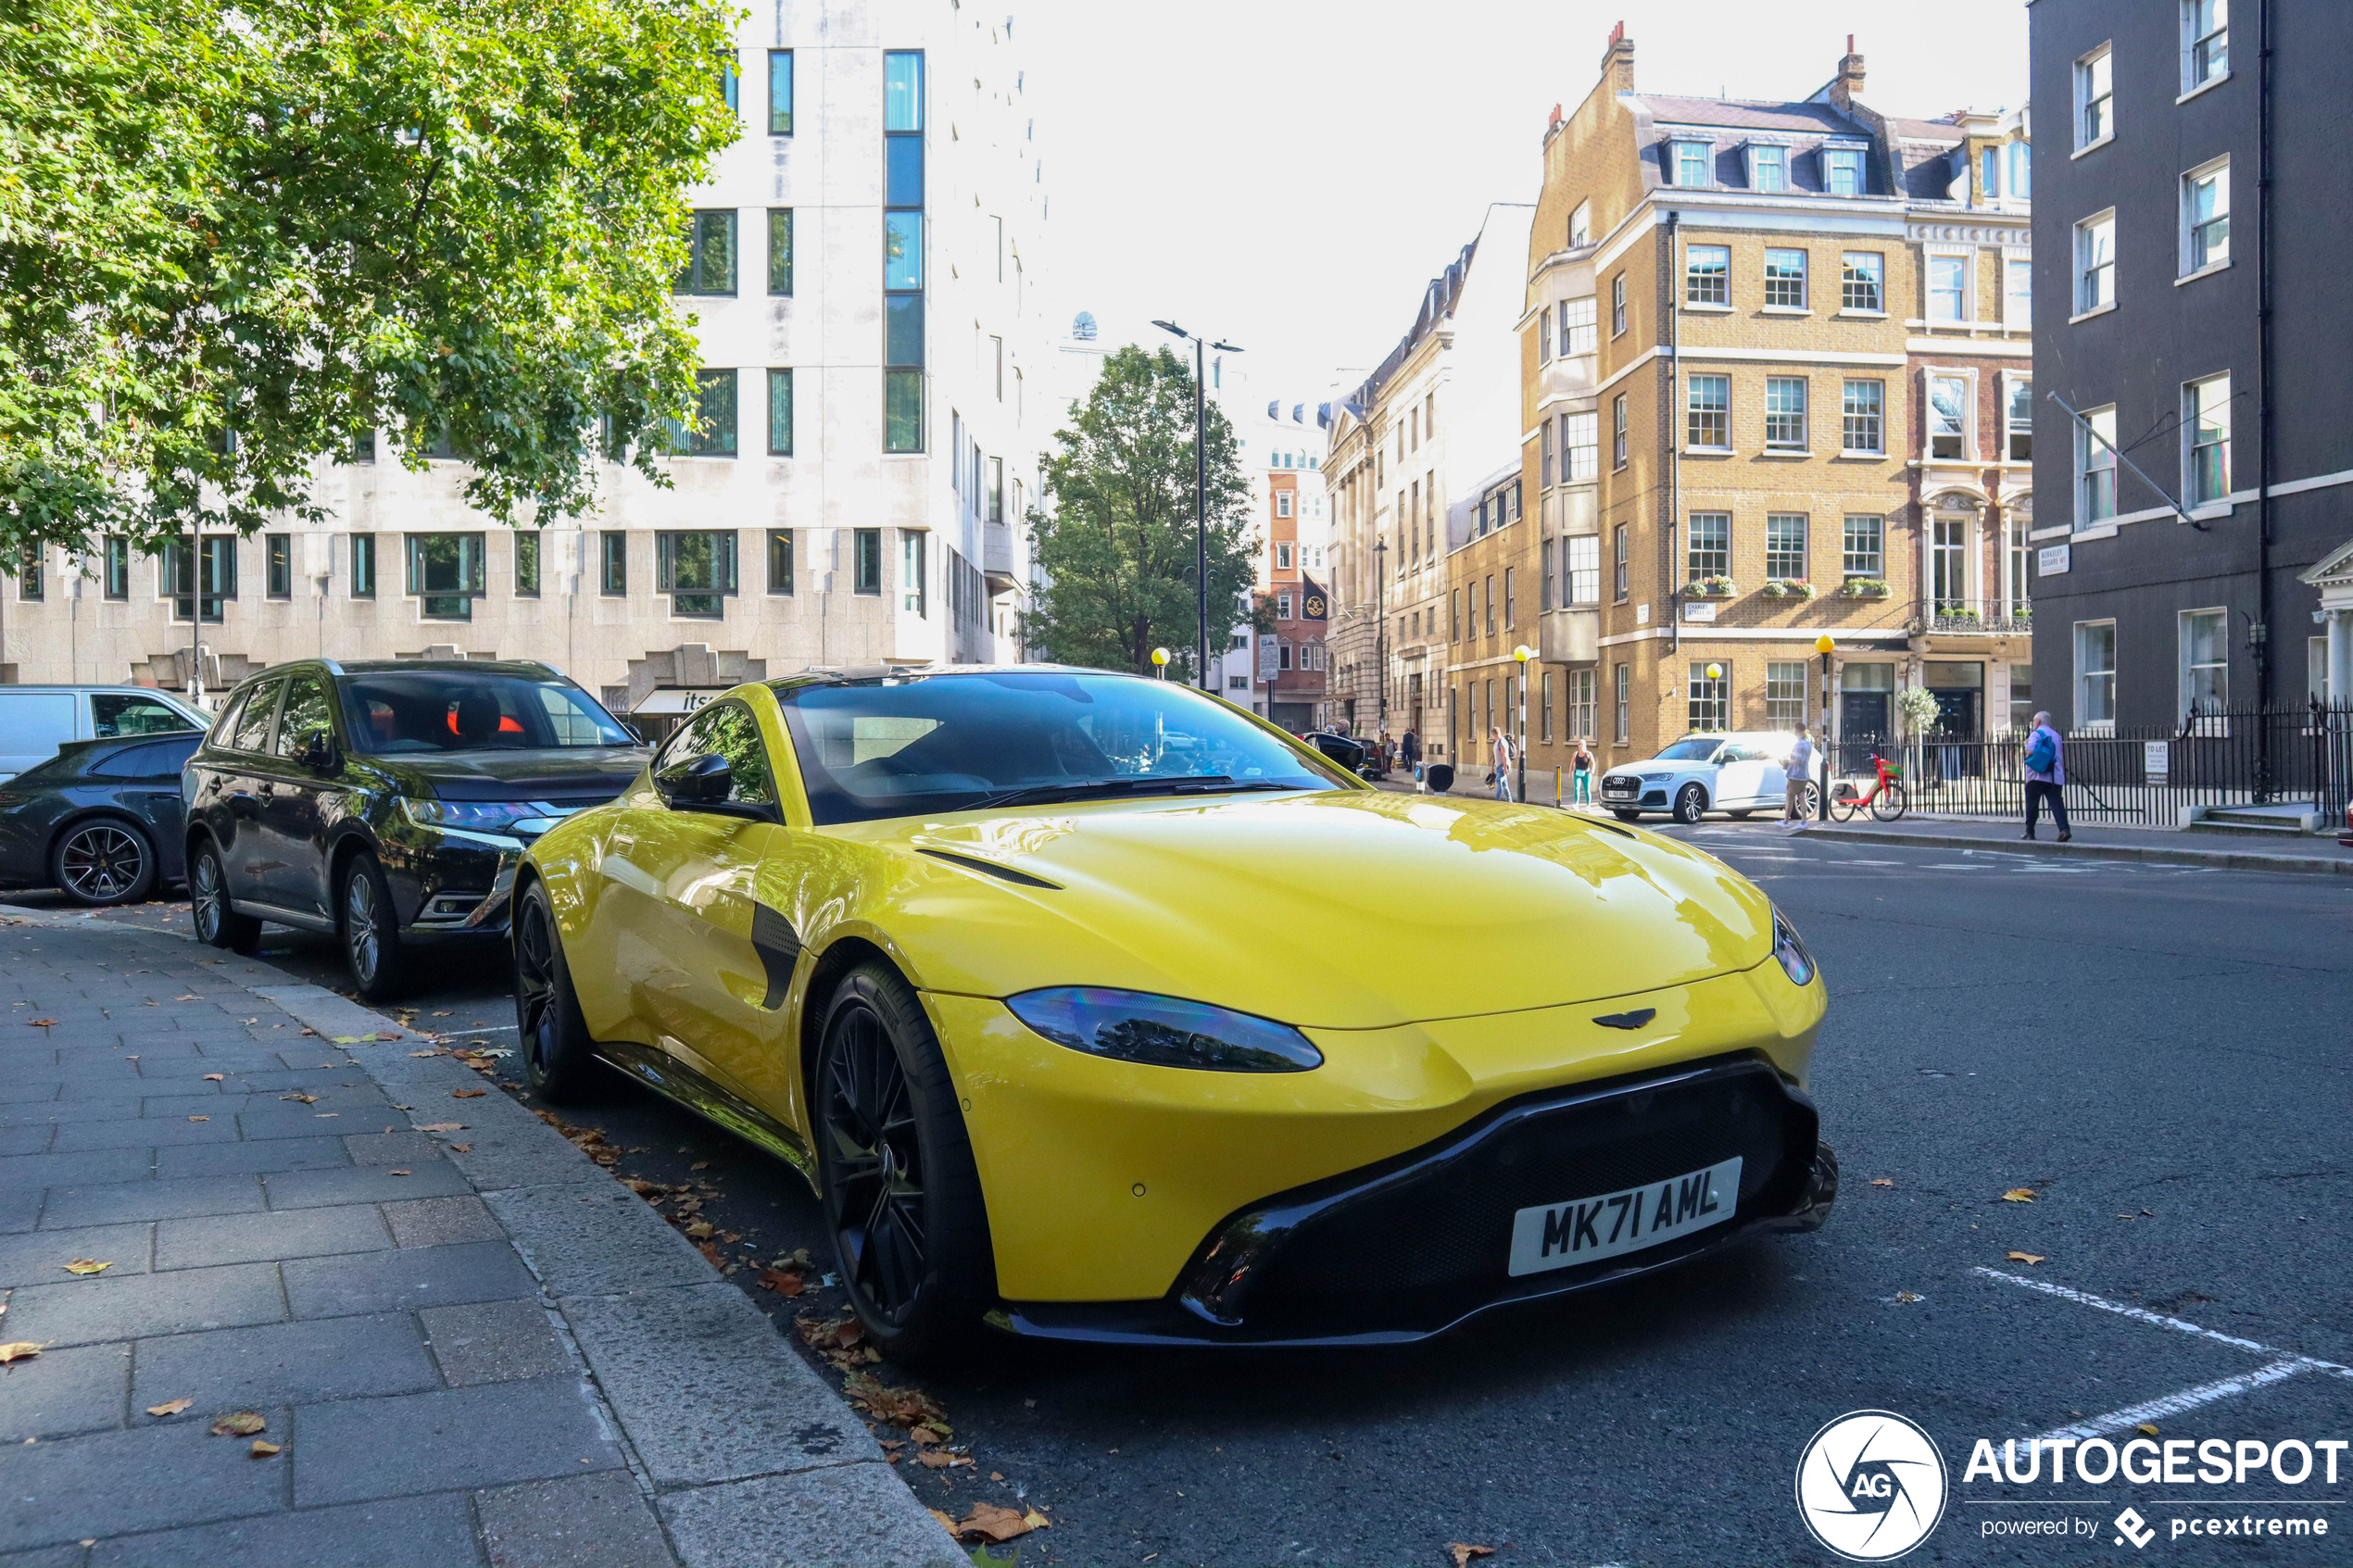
(1993, 617)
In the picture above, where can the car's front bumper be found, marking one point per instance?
(1414, 1245)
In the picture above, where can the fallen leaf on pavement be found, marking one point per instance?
(216, 1077)
(237, 1423)
(782, 1281)
(443, 1013)
(170, 1407)
(42, 1024)
(935, 1459)
(2021, 1195)
(990, 1523)
(353, 1039)
(262, 1449)
(2147, 1427)
(442, 1127)
(700, 1165)
(700, 1230)
(463, 1148)
(468, 1094)
(1463, 1551)
(995, 1475)
(401, 1172)
(643, 1187)
(298, 1095)
(2022, 1257)
(901, 1407)
(1906, 1297)
(22, 1349)
(88, 1266)
(1881, 1182)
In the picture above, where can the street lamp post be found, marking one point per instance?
(1160, 662)
(1380, 638)
(1822, 645)
(1201, 487)
(1519, 788)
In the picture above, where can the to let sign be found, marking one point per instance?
(2156, 760)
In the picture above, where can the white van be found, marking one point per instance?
(35, 721)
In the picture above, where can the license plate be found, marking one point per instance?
(1615, 788)
(1585, 1229)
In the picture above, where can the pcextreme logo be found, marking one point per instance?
(1871, 1485)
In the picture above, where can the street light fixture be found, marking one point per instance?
(1380, 637)
(1822, 645)
(1519, 790)
(1200, 486)
(1160, 662)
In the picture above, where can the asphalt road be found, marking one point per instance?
(2161, 1055)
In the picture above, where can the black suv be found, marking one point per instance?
(387, 803)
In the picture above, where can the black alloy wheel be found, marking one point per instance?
(902, 1192)
(559, 1057)
(104, 861)
(370, 928)
(218, 925)
(1691, 804)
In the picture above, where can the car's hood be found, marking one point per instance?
(1657, 765)
(573, 776)
(1347, 909)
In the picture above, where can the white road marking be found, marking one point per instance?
(2186, 1399)
(2138, 1314)
(1961, 866)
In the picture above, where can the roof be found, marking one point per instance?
(1439, 298)
(1740, 113)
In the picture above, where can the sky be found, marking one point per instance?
(1290, 174)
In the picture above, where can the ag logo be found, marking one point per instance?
(1871, 1486)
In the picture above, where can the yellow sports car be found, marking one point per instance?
(1095, 1008)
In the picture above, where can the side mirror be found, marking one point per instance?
(699, 781)
(319, 752)
(1340, 750)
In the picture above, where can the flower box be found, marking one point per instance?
(1864, 588)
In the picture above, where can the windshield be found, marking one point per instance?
(956, 743)
(1690, 751)
(441, 711)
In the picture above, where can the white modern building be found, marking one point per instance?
(863, 278)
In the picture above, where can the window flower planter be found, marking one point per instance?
(1711, 588)
(1864, 588)
(1789, 588)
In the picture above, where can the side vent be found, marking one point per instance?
(778, 945)
(989, 868)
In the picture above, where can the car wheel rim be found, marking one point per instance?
(102, 863)
(874, 1170)
(359, 925)
(205, 895)
(535, 986)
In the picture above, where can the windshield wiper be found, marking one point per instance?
(1080, 788)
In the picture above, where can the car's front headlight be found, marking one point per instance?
(480, 816)
(1795, 962)
(1164, 1031)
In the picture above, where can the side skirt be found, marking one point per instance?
(675, 1081)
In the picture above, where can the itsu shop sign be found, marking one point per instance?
(678, 702)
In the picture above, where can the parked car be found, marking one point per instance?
(99, 820)
(387, 803)
(35, 721)
(1089, 1035)
(1735, 773)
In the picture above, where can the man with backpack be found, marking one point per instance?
(2046, 773)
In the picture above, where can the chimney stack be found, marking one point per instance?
(1617, 62)
(1848, 83)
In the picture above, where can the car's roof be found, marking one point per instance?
(529, 668)
(854, 673)
(117, 686)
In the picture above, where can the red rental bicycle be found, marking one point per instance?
(1885, 797)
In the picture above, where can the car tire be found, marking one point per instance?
(559, 1058)
(1623, 815)
(102, 860)
(218, 924)
(1691, 804)
(901, 1193)
(368, 924)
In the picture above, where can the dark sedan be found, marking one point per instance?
(100, 820)
(388, 803)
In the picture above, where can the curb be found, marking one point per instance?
(744, 1451)
(2218, 859)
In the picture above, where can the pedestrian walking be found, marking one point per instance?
(1581, 773)
(1409, 750)
(1799, 773)
(1499, 747)
(2046, 776)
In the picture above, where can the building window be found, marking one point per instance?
(613, 563)
(1454, 616)
(32, 582)
(1282, 556)
(1618, 305)
(2205, 216)
(780, 561)
(1767, 168)
(2095, 262)
(1948, 288)
(117, 558)
(1709, 548)
(1865, 554)
(780, 413)
(2094, 673)
(363, 447)
(711, 253)
(1622, 704)
(1948, 562)
(277, 555)
(903, 337)
(780, 252)
(2206, 419)
(1785, 413)
(1692, 164)
(712, 434)
(1544, 335)
(1785, 693)
(363, 566)
(1949, 417)
(2205, 42)
(1581, 447)
(2021, 170)
(526, 565)
(1709, 707)
(445, 574)
(866, 561)
(1785, 278)
(1581, 569)
(1618, 546)
(1785, 546)
(2017, 419)
(1989, 173)
(1544, 732)
(2017, 292)
(1581, 703)
(2094, 98)
(1579, 327)
(1511, 596)
(1617, 431)
(2095, 468)
(1544, 444)
(1490, 605)
(697, 569)
(209, 602)
(780, 92)
(1707, 275)
(914, 571)
(1710, 409)
(2206, 661)
(1842, 170)
(1581, 225)
(1862, 407)
(1862, 277)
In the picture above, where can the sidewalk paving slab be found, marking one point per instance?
(2306, 855)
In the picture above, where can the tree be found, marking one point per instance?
(237, 235)
(1117, 545)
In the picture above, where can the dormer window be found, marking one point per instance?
(1691, 163)
(1767, 168)
(1842, 170)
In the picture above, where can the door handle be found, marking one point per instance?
(242, 804)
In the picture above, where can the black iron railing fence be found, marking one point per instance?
(2300, 755)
